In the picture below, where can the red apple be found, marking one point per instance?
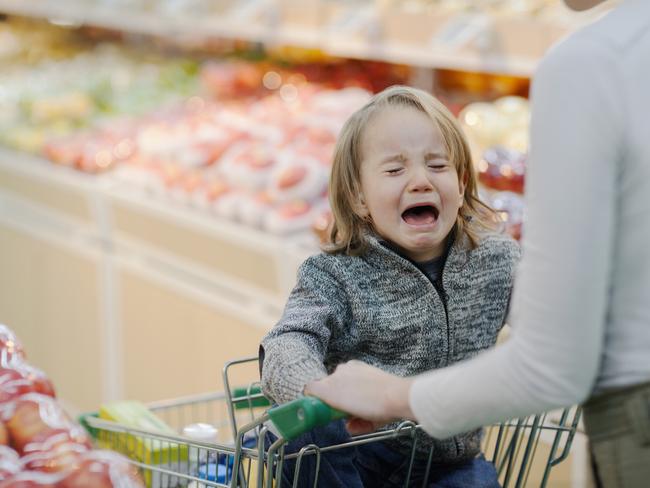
(52, 462)
(503, 169)
(291, 176)
(33, 418)
(18, 378)
(74, 438)
(294, 209)
(12, 385)
(103, 469)
(57, 453)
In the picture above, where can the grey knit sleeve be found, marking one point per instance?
(512, 258)
(295, 349)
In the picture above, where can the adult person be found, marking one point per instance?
(581, 305)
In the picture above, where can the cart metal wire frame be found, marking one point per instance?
(242, 459)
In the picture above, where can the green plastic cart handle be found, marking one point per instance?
(241, 397)
(301, 415)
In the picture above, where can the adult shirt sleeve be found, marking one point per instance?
(561, 291)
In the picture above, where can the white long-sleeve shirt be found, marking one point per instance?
(581, 305)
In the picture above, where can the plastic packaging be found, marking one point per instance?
(102, 469)
(33, 419)
(201, 433)
(205, 464)
(9, 462)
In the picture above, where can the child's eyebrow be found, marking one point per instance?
(435, 155)
(400, 158)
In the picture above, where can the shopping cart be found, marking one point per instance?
(243, 457)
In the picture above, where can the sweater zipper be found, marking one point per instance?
(444, 297)
(442, 293)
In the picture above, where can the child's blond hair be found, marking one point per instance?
(348, 231)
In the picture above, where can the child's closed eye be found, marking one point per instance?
(437, 165)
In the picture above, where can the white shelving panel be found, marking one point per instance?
(113, 213)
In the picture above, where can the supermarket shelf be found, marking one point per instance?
(191, 218)
(106, 186)
(41, 169)
(474, 42)
(244, 257)
(47, 225)
(190, 266)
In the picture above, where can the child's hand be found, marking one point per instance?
(371, 396)
(357, 426)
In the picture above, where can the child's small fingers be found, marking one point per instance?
(357, 426)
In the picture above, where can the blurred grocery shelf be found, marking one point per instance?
(506, 37)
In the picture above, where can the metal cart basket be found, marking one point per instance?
(244, 457)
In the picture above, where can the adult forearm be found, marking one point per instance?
(503, 383)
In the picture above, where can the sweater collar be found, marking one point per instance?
(457, 251)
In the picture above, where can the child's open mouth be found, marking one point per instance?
(420, 215)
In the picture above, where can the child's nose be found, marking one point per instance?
(420, 181)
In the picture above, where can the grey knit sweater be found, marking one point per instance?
(381, 309)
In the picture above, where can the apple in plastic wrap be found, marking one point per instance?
(9, 463)
(291, 176)
(297, 178)
(67, 151)
(18, 378)
(13, 385)
(58, 453)
(503, 169)
(231, 79)
(510, 207)
(249, 166)
(290, 217)
(33, 418)
(103, 469)
(210, 191)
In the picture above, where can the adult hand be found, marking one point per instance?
(369, 395)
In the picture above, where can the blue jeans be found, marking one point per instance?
(375, 465)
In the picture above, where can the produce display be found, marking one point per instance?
(247, 141)
(45, 96)
(498, 135)
(40, 445)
